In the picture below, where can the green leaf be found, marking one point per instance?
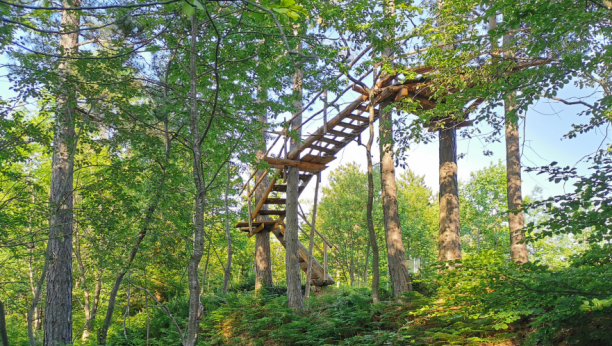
(188, 10)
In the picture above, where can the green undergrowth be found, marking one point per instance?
(484, 300)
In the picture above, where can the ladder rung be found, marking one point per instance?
(283, 188)
(272, 212)
(340, 134)
(275, 201)
(321, 149)
(351, 126)
(359, 118)
(330, 141)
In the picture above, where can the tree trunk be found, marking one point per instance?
(449, 241)
(263, 264)
(292, 260)
(516, 220)
(365, 267)
(370, 217)
(3, 334)
(396, 255)
(58, 311)
(195, 310)
(311, 237)
(228, 235)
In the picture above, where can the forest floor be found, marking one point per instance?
(335, 316)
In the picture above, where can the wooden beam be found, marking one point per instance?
(272, 212)
(329, 140)
(352, 127)
(359, 118)
(275, 201)
(321, 149)
(294, 163)
(330, 124)
(265, 195)
(257, 223)
(360, 90)
(283, 188)
(340, 134)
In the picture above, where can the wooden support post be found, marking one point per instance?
(249, 206)
(312, 232)
(325, 111)
(324, 259)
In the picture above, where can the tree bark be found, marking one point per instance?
(292, 260)
(58, 311)
(311, 237)
(516, 220)
(3, 334)
(228, 235)
(396, 255)
(195, 309)
(449, 241)
(263, 264)
(370, 217)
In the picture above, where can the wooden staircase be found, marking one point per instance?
(316, 151)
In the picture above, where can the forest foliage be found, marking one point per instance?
(166, 100)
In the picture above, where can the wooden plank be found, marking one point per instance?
(283, 188)
(275, 201)
(294, 163)
(321, 130)
(321, 149)
(329, 140)
(360, 90)
(340, 134)
(352, 127)
(272, 212)
(319, 159)
(360, 118)
(255, 223)
(265, 195)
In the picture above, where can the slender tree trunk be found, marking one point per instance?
(35, 300)
(195, 310)
(311, 238)
(58, 311)
(263, 264)
(396, 255)
(365, 267)
(370, 217)
(516, 220)
(228, 235)
(449, 241)
(87, 303)
(3, 334)
(292, 261)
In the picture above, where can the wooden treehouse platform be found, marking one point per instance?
(320, 148)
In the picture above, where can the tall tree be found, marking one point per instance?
(292, 258)
(396, 254)
(516, 218)
(263, 265)
(58, 309)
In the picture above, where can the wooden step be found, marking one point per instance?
(351, 126)
(254, 223)
(340, 134)
(330, 141)
(321, 149)
(283, 188)
(272, 212)
(360, 118)
(275, 201)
